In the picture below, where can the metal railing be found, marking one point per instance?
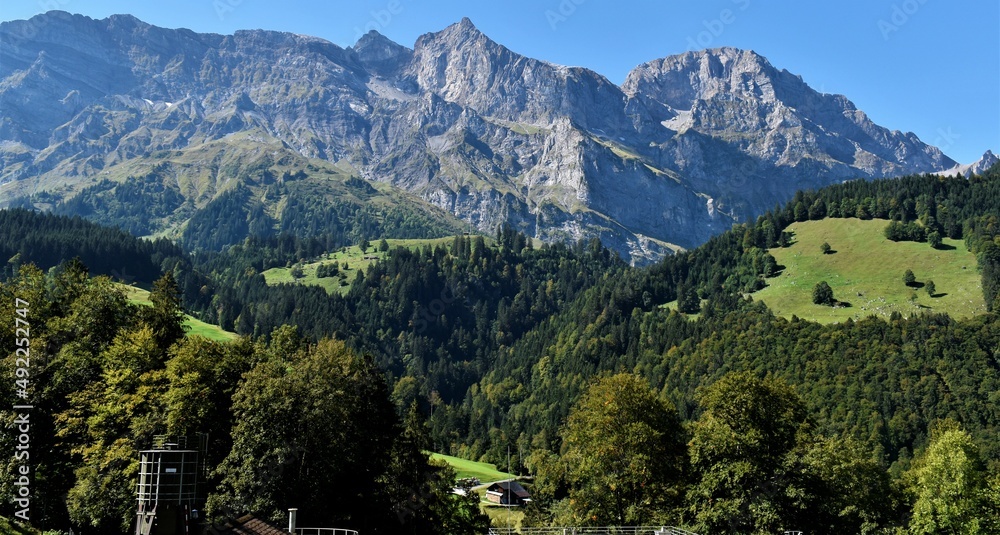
(324, 531)
(607, 530)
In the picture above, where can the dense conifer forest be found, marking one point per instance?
(723, 417)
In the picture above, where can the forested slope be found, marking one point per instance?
(503, 345)
(618, 326)
(285, 419)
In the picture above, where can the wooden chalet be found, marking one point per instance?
(508, 493)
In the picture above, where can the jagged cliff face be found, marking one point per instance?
(686, 146)
(977, 167)
(765, 131)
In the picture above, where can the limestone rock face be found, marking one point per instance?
(975, 168)
(766, 131)
(687, 146)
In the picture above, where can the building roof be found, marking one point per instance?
(513, 487)
(248, 525)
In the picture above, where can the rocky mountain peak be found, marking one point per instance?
(126, 22)
(687, 145)
(722, 91)
(464, 66)
(680, 80)
(377, 47)
(456, 36)
(466, 24)
(977, 167)
(380, 54)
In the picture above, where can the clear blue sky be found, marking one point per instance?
(927, 66)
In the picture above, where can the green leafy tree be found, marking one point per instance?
(841, 487)
(822, 294)
(75, 319)
(449, 512)
(623, 452)
(421, 492)
(825, 248)
(950, 487)
(991, 505)
(202, 376)
(383, 245)
(309, 418)
(989, 263)
(107, 423)
(784, 239)
(298, 412)
(739, 454)
(934, 239)
(931, 289)
(909, 278)
(861, 212)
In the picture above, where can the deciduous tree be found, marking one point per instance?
(822, 294)
(738, 452)
(624, 453)
(949, 485)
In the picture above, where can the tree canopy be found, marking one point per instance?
(624, 453)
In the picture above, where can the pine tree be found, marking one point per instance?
(166, 316)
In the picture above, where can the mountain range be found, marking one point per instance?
(978, 167)
(458, 126)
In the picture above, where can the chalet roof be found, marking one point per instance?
(248, 525)
(513, 487)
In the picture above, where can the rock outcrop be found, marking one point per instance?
(687, 146)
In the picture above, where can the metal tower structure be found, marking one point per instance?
(168, 485)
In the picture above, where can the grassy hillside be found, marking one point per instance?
(487, 473)
(355, 259)
(484, 471)
(194, 325)
(183, 194)
(502, 517)
(866, 270)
